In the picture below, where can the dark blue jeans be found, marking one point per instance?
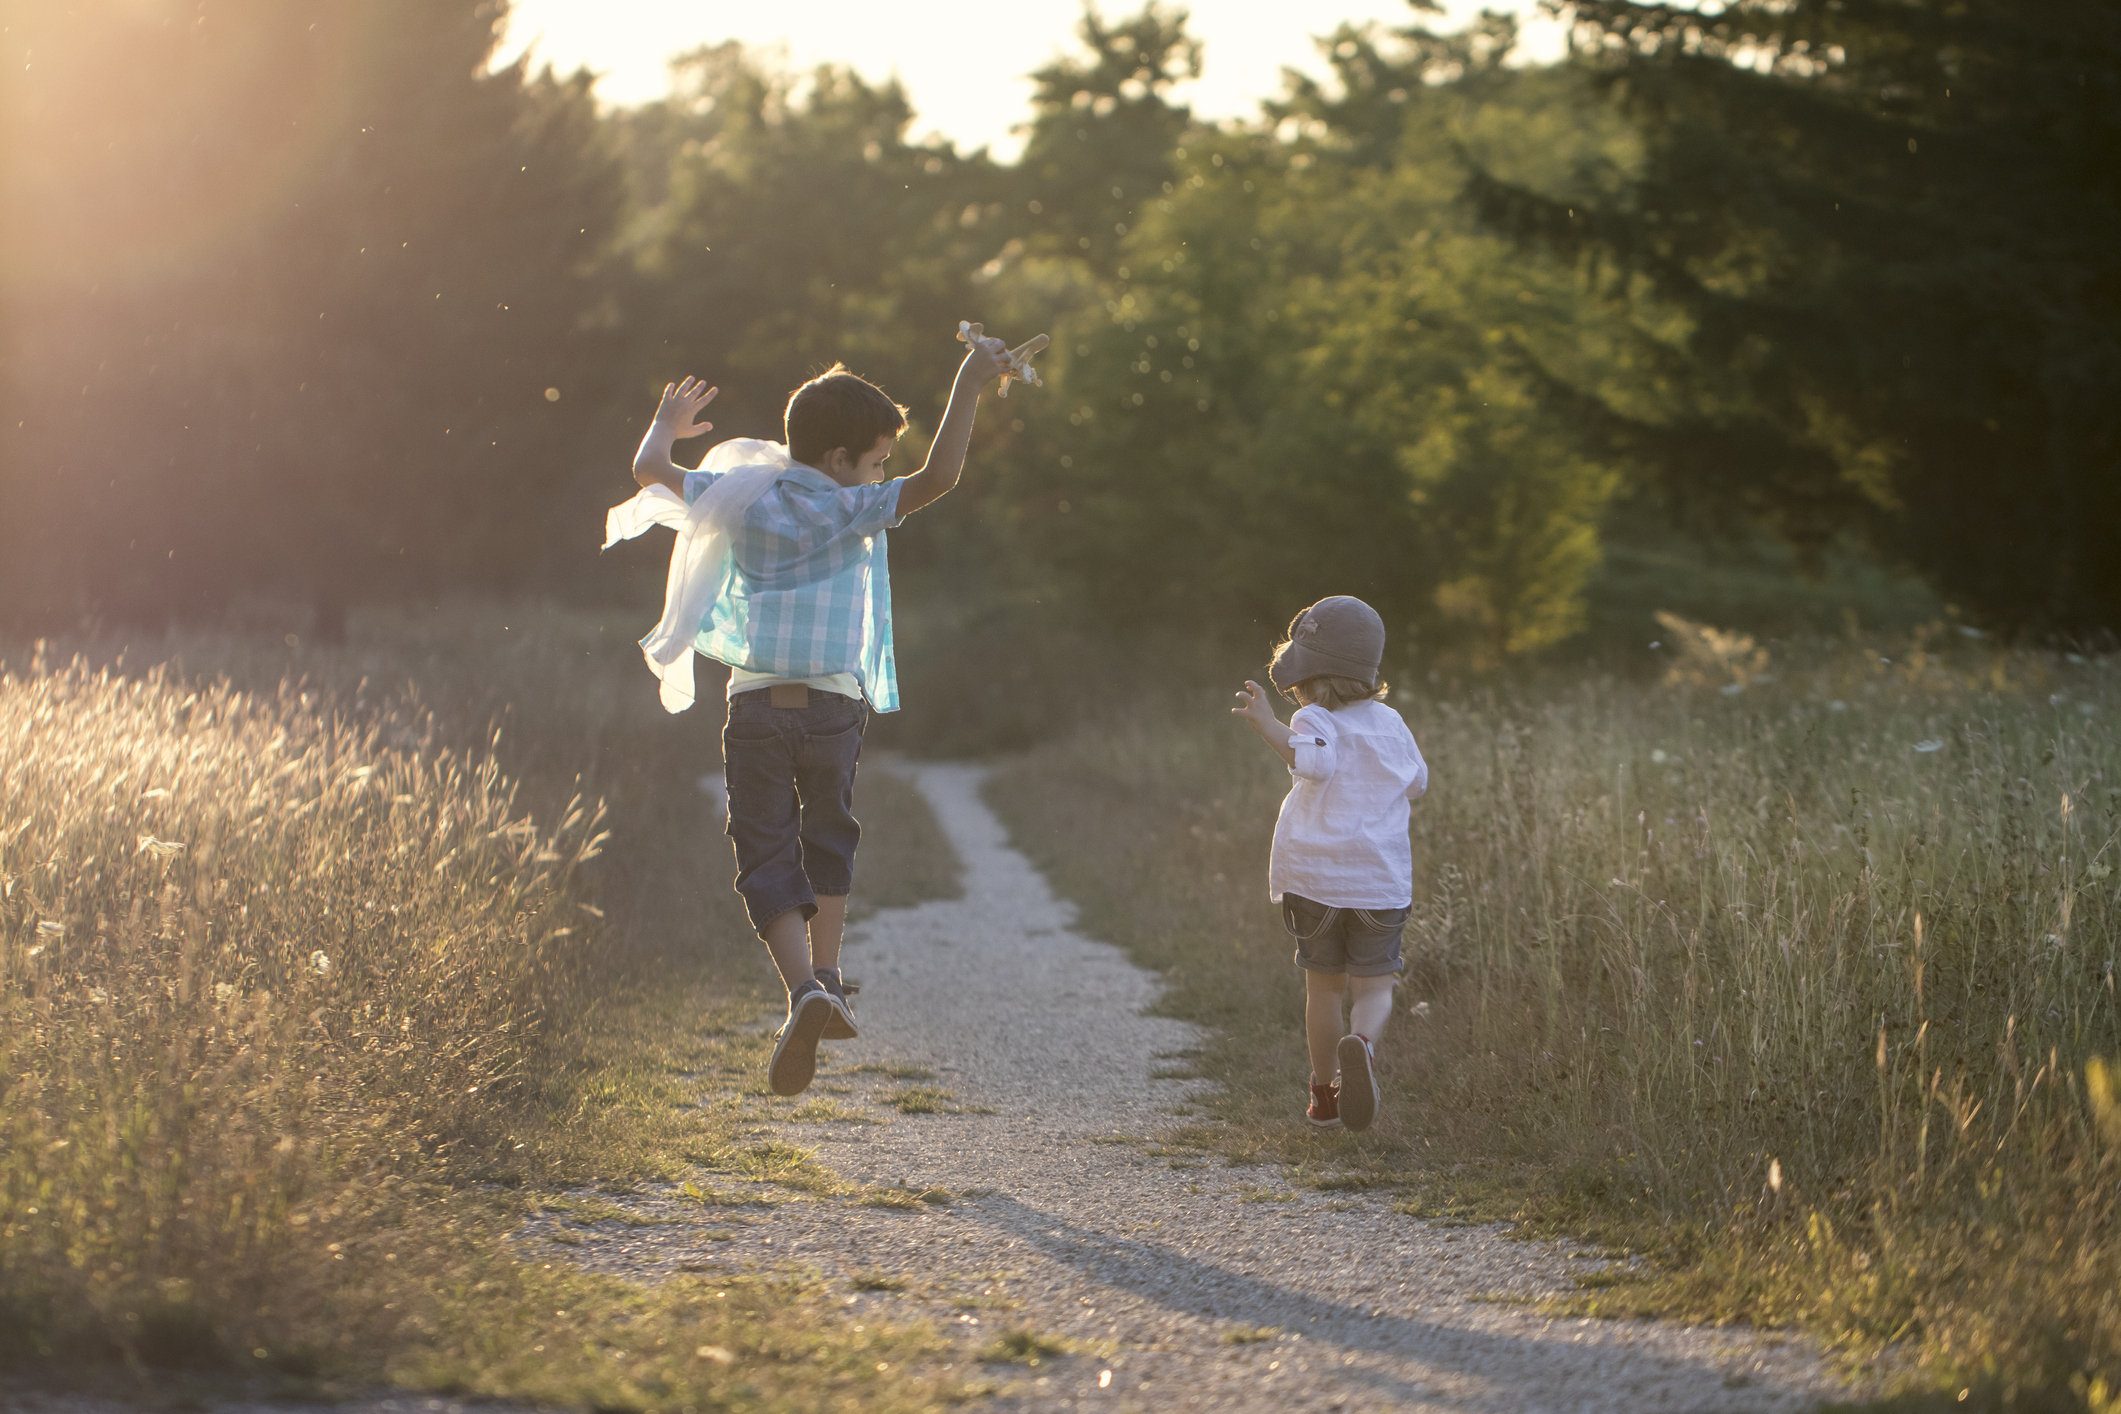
(791, 799)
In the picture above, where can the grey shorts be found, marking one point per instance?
(1361, 942)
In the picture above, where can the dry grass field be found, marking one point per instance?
(318, 967)
(1794, 969)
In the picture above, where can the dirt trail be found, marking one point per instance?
(1195, 1285)
(1057, 1203)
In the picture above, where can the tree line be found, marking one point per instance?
(301, 301)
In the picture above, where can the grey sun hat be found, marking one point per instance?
(1341, 635)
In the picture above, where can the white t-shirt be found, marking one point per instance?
(1342, 836)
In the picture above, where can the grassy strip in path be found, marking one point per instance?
(1795, 976)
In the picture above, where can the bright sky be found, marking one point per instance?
(963, 62)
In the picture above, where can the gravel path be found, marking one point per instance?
(1178, 1283)
(1043, 1193)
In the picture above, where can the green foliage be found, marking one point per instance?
(1887, 227)
(1307, 372)
(317, 311)
(778, 232)
(1103, 133)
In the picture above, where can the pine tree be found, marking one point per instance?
(1890, 226)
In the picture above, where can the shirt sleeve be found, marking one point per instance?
(698, 481)
(875, 507)
(1311, 739)
(1419, 786)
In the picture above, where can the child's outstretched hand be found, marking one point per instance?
(678, 415)
(1257, 711)
(1255, 707)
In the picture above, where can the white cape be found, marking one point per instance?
(700, 561)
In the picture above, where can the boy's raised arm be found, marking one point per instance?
(675, 419)
(946, 455)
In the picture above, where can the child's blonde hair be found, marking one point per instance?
(1333, 692)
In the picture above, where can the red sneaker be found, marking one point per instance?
(1359, 1094)
(1325, 1108)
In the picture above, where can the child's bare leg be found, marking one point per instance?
(1322, 999)
(826, 927)
(1371, 1008)
(788, 939)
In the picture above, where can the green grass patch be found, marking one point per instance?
(1352, 1182)
(877, 1280)
(589, 1213)
(710, 1197)
(824, 1110)
(921, 1100)
(1022, 1346)
(910, 1200)
(1250, 1335)
(788, 1167)
(893, 1070)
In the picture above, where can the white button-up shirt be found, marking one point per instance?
(1341, 839)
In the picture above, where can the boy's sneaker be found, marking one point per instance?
(1358, 1082)
(841, 1026)
(1325, 1108)
(795, 1049)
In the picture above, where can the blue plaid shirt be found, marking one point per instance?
(811, 594)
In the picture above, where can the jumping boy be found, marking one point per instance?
(781, 571)
(1342, 867)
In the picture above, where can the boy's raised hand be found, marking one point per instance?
(989, 357)
(984, 358)
(678, 415)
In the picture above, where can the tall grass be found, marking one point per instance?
(316, 965)
(1807, 963)
(251, 958)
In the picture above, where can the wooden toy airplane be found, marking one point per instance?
(1016, 361)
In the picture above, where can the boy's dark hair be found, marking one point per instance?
(837, 409)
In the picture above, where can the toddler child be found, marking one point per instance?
(781, 571)
(1342, 868)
